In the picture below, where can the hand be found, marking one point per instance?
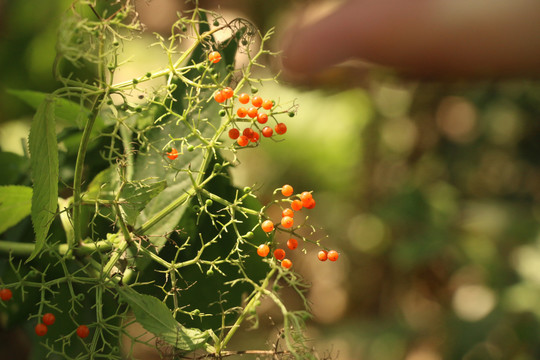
(434, 38)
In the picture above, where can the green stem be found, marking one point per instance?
(246, 311)
(25, 249)
(79, 166)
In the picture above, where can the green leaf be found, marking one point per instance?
(14, 168)
(44, 165)
(155, 317)
(65, 111)
(205, 119)
(15, 205)
(138, 196)
(133, 198)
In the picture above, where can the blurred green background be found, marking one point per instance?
(429, 191)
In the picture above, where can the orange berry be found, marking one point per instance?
(267, 226)
(241, 112)
(242, 140)
(257, 101)
(292, 243)
(281, 128)
(287, 190)
(255, 137)
(263, 250)
(322, 255)
(296, 205)
(286, 263)
(219, 97)
(262, 118)
(267, 104)
(227, 92)
(248, 132)
(279, 254)
(234, 133)
(41, 329)
(173, 154)
(287, 212)
(5, 294)
(214, 57)
(83, 331)
(243, 98)
(287, 222)
(267, 131)
(309, 203)
(305, 195)
(333, 255)
(252, 112)
(48, 319)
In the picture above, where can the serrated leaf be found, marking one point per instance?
(155, 317)
(133, 198)
(137, 197)
(65, 111)
(15, 205)
(103, 186)
(44, 164)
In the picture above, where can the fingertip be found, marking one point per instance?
(309, 47)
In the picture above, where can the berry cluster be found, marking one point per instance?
(297, 202)
(49, 319)
(254, 112)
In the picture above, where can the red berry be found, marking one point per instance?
(255, 137)
(234, 133)
(292, 243)
(279, 254)
(267, 131)
(248, 132)
(287, 222)
(267, 226)
(242, 140)
(263, 250)
(219, 97)
(243, 98)
(48, 319)
(287, 190)
(333, 255)
(281, 128)
(257, 101)
(309, 203)
(83, 331)
(267, 104)
(241, 112)
(5, 294)
(252, 112)
(214, 57)
(286, 263)
(305, 196)
(297, 205)
(262, 118)
(287, 212)
(322, 255)
(41, 329)
(227, 92)
(173, 154)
